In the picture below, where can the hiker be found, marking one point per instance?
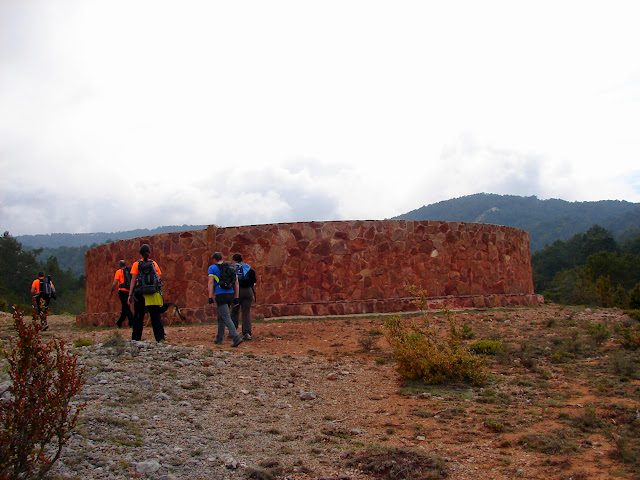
(247, 294)
(42, 291)
(146, 292)
(223, 283)
(122, 281)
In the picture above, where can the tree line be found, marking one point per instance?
(18, 268)
(590, 268)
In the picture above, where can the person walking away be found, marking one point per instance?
(247, 294)
(122, 281)
(42, 291)
(146, 279)
(223, 284)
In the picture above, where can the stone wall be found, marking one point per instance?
(329, 268)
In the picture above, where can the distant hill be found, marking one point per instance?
(56, 240)
(545, 220)
(69, 248)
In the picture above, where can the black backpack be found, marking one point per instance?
(126, 271)
(148, 281)
(248, 280)
(45, 287)
(227, 277)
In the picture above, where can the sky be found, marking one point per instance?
(125, 114)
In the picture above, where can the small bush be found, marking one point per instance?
(599, 333)
(399, 464)
(486, 347)
(630, 337)
(83, 342)
(635, 314)
(420, 355)
(495, 426)
(551, 443)
(37, 416)
(368, 341)
(467, 332)
(114, 341)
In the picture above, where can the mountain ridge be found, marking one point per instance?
(545, 220)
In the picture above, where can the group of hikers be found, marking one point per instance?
(230, 285)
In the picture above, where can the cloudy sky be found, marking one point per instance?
(128, 114)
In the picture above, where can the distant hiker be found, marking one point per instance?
(146, 292)
(42, 291)
(122, 281)
(223, 284)
(247, 293)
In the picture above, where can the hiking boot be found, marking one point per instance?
(218, 342)
(246, 336)
(236, 342)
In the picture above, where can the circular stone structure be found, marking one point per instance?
(330, 268)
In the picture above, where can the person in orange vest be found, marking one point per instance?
(146, 293)
(122, 281)
(42, 291)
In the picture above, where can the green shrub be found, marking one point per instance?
(634, 313)
(467, 332)
(495, 426)
(399, 464)
(37, 417)
(486, 347)
(634, 298)
(599, 333)
(83, 342)
(420, 355)
(630, 337)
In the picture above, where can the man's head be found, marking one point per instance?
(122, 263)
(40, 274)
(217, 257)
(237, 257)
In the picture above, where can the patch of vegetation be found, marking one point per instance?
(399, 464)
(83, 342)
(495, 425)
(486, 347)
(420, 354)
(368, 341)
(599, 333)
(551, 443)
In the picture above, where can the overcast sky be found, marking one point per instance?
(128, 114)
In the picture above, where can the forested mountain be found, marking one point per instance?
(69, 248)
(545, 220)
(55, 240)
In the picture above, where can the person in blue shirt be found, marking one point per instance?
(224, 297)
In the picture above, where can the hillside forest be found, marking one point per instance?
(18, 268)
(590, 268)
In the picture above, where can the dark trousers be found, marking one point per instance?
(246, 298)
(126, 311)
(138, 319)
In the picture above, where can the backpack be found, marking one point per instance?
(148, 280)
(45, 287)
(227, 277)
(248, 279)
(126, 271)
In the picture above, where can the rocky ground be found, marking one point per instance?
(305, 397)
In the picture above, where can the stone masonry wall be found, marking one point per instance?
(329, 268)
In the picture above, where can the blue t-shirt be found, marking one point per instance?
(214, 271)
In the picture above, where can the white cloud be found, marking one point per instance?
(140, 113)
